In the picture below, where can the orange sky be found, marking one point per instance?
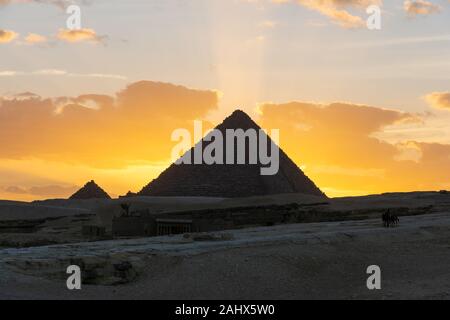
(52, 146)
(360, 111)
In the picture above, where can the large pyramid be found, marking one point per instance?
(90, 191)
(230, 181)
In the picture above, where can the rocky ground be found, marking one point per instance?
(325, 260)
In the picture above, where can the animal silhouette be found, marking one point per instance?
(390, 219)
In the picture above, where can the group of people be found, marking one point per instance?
(390, 219)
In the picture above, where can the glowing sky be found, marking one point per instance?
(359, 111)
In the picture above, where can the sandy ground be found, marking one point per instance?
(301, 261)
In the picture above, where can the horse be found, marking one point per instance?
(390, 219)
(394, 219)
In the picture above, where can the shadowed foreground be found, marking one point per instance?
(301, 261)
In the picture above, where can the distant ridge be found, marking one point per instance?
(231, 181)
(90, 191)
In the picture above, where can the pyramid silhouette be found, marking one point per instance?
(90, 191)
(231, 180)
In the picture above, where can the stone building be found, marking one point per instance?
(146, 225)
(93, 231)
(231, 180)
(90, 190)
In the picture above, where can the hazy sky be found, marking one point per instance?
(258, 55)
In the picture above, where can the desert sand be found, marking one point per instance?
(326, 260)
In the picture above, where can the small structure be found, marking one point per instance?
(166, 227)
(145, 223)
(93, 231)
(133, 226)
(148, 226)
(129, 195)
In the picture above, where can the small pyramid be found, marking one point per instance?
(90, 191)
(129, 194)
(231, 180)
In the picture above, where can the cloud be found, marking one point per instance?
(99, 75)
(51, 72)
(80, 35)
(59, 3)
(401, 41)
(101, 131)
(337, 145)
(57, 72)
(7, 36)
(33, 38)
(8, 73)
(269, 24)
(26, 95)
(66, 35)
(334, 10)
(338, 11)
(55, 191)
(439, 100)
(353, 123)
(420, 7)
